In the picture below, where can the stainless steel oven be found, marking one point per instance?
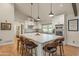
(59, 29)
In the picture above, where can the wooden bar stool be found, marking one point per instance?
(51, 48)
(18, 39)
(60, 44)
(21, 45)
(23, 49)
(17, 36)
(30, 46)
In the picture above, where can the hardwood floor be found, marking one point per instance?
(10, 50)
(7, 50)
(71, 51)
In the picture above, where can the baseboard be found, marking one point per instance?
(6, 43)
(72, 45)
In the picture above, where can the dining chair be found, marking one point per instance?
(60, 44)
(51, 48)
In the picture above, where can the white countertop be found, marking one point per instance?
(42, 38)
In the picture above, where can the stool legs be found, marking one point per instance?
(35, 51)
(17, 46)
(61, 50)
(22, 51)
(49, 54)
(31, 51)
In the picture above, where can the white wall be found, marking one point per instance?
(19, 19)
(72, 36)
(7, 13)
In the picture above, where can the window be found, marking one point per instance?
(50, 28)
(47, 28)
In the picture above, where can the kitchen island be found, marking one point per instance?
(40, 40)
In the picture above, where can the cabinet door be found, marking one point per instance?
(50, 29)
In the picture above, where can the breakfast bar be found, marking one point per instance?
(40, 40)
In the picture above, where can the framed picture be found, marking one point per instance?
(73, 25)
(5, 26)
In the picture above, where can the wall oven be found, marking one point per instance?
(59, 29)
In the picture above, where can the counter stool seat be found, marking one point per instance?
(29, 46)
(50, 48)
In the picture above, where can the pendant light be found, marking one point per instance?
(51, 14)
(31, 10)
(31, 21)
(38, 18)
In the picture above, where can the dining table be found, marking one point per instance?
(40, 40)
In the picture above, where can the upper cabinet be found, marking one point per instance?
(58, 20)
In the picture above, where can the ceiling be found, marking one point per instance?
(44, 9)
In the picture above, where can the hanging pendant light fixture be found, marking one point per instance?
(51, 14)
(31, 21)
(38, 18)
(31, 10)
